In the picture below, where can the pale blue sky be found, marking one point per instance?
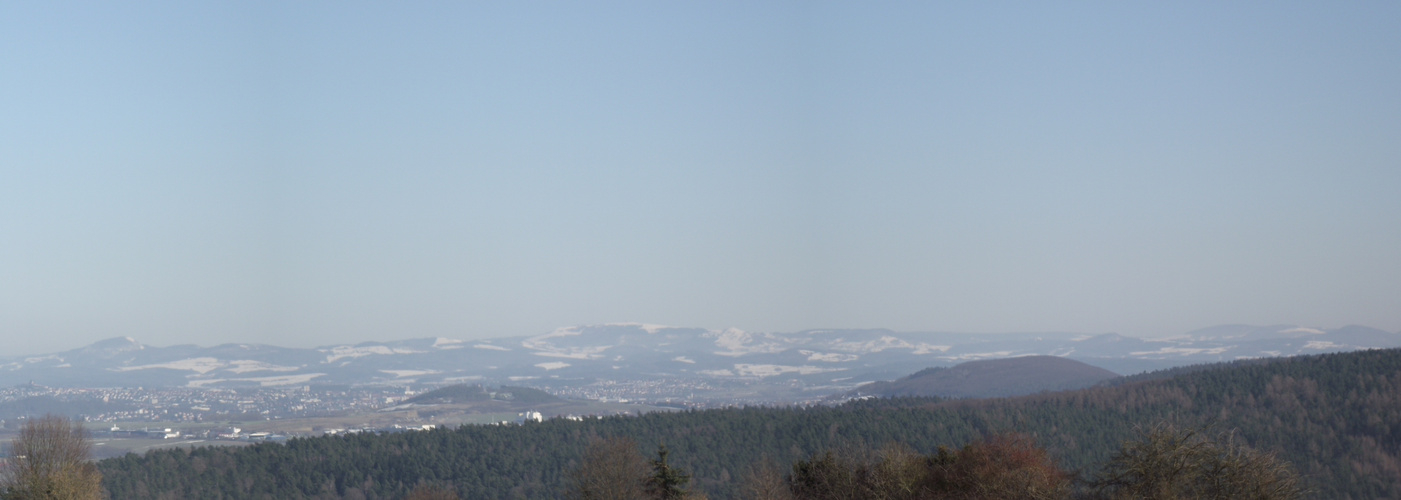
(325, 172)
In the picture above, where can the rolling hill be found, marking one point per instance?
(1335, 417)
(992, 378)
(800, 366)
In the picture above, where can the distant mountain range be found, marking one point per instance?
(819, 361)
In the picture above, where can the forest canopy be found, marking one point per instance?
(1336, 418)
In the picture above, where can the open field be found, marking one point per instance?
(115, 447)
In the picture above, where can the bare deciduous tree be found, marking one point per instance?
(49, 460)
(611, 468)
(764, 481)
(1002, 467)
(1169, 462)
(428, 492)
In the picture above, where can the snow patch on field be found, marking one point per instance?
(575, 353)
(544, 347)
(870, 346)
(649, 328)
(200, 365)
(1321, 344)
(978, 355)
(923, 348)
(340, 352)
(828, 357)
(736, 342)
(408, 373)
(1182, 351)
(538, 341)
(442, 342)
(248, 365)
(886, 342)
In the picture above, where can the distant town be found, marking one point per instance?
(184, 404)
(171, 413)
(199, 405)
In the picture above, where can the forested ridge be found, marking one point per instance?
(1335, 417)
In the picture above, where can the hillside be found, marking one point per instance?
(453, 394)
(992, 378)
(1336, 417)
(786, 367)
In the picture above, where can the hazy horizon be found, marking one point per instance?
(304, 345)
(316, 174)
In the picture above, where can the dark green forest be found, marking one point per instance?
(1335, 417)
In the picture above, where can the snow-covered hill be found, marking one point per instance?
(629, 351)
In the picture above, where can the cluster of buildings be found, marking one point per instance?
(144, 432)
(177, 405)
(180, 404)
(384, 429)
(238, 434)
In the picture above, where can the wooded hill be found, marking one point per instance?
(992, 378)
(1336, 417)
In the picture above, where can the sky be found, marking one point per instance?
(314, 173)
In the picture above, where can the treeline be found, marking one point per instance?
(1335, 417)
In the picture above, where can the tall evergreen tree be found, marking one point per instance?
(667, 482)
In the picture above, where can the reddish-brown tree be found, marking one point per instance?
(50, 460)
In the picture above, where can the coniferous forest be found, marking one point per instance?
(1336, 418)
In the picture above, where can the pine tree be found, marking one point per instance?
(667, 482)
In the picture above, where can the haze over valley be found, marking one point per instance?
(652, 364)
(362, 250)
